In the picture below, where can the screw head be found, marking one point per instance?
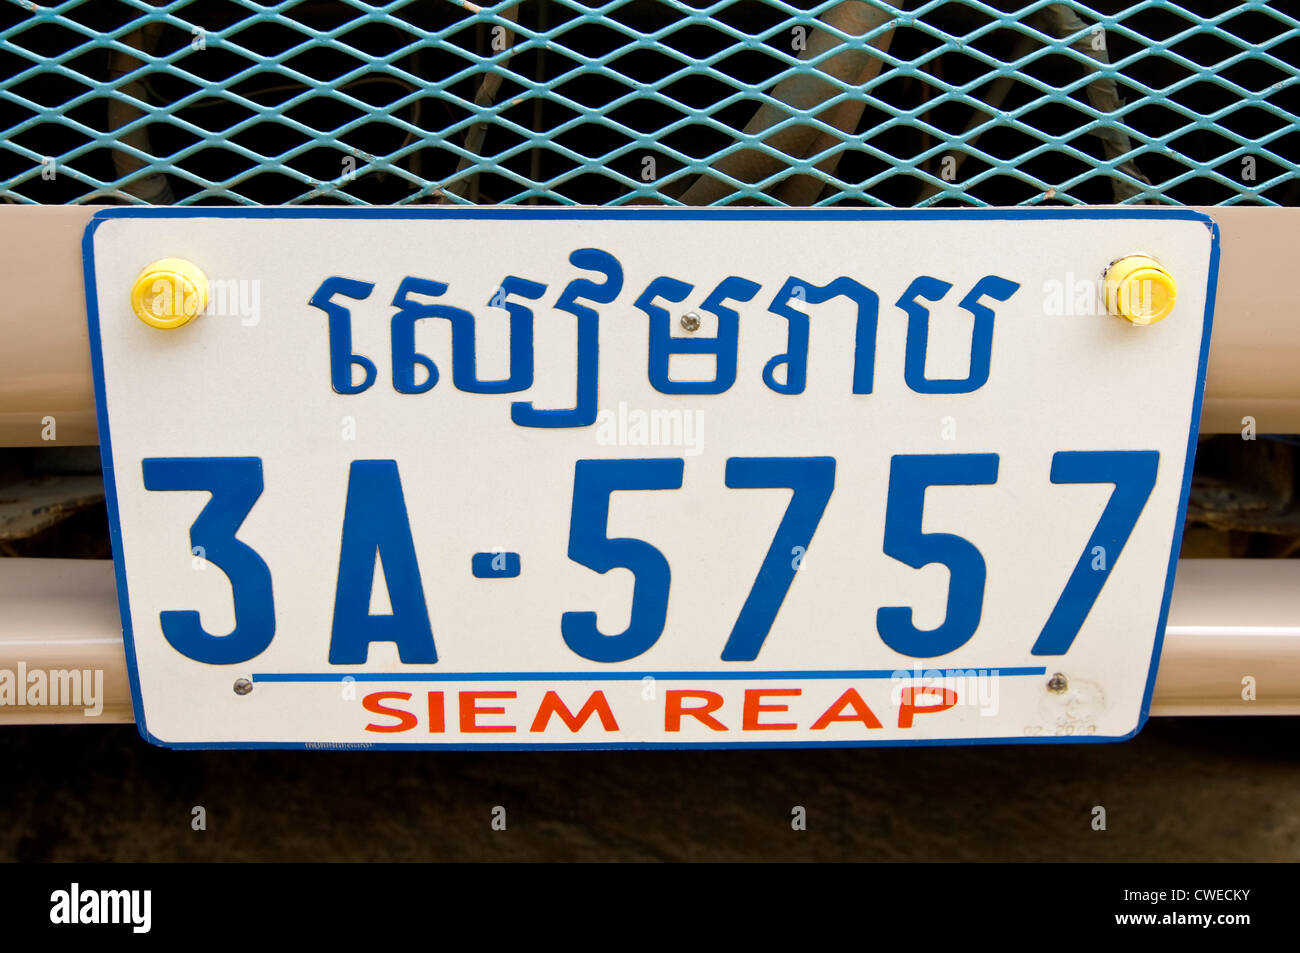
(1139, 289)
(169, 293)
(690, 321)
(243, 686)
(1057, 684)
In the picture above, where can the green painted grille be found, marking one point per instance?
(634, 101)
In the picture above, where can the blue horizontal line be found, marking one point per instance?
(618, 676)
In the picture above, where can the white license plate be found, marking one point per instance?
(482, 478)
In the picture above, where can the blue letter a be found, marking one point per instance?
(375, 521)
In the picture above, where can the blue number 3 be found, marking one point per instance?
(235, 484)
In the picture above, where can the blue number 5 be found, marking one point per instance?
(593, 482)
(1134, 474)
(909, 477)
(235, 484)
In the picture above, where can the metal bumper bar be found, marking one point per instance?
(1232, 646)
(45, 361)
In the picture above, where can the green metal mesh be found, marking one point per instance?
(634, 101)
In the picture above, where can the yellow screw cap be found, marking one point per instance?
(169, 292)
(1140, 290)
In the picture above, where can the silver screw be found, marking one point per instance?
(243, 686)
(690, 321)
(1058, 683)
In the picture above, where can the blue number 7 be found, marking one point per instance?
(235, 484)
(812, 479)
(1134, 474)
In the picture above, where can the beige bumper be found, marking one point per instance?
(45, 361)
(1234, 624)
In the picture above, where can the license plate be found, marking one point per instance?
(612, 478)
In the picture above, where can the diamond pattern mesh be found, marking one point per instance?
(649, 101)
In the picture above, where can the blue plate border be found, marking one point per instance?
(584, 213)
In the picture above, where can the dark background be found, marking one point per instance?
(1193, 789)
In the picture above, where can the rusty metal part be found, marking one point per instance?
(804, 91)
(31, 506)
(1060, 21)
(1245, 486)
(994, 96)
(486, 95)
(153, 188)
